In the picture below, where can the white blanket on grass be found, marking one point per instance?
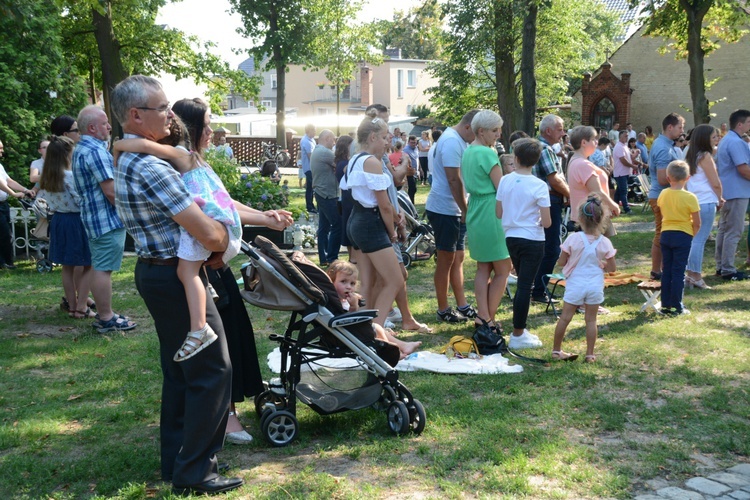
(423, 360)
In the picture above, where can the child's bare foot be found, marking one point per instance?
(407, 348)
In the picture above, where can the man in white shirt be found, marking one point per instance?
(623, 169)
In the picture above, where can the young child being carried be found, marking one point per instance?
(585, 256)
(681, 220)
(344, 276)
(211, 196)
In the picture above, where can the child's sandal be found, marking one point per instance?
(563, 356)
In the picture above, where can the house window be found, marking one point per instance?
(400, 83)
(266, 104)
(273, 81)
(323, 111)
(604, 114)
(411, 78)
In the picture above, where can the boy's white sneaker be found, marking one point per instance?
(526, 340)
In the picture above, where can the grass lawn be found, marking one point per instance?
(667, 397)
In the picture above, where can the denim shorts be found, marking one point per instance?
(450, 232)
(366, 230)
(107, 250)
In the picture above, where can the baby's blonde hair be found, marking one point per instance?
(342, 266)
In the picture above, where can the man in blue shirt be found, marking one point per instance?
(640, 143)
(733, 166)
(662, 154)
(411, 151)
(307, 144)
(93, 172)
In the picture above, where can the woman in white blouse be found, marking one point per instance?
(373, 225)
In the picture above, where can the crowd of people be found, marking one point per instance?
(508, 208)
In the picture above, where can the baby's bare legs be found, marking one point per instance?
(386, 335)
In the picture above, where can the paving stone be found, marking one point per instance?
(733, 480)
(743, 469)
(706, 486)
(739, 495)
(675, 493)
(657, 483)
(648, 497)
(745, 488)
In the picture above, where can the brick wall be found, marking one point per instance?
(661, 84)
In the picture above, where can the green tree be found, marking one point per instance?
(341, 44)
(109, 40)
(489, 63)
(693, 29)
(418, 33)
(37, 83)
(281, 32)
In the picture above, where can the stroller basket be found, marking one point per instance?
(420, 240)
(330, 359)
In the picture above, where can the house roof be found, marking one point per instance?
(628, 13)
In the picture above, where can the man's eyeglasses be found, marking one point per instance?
(160, 109)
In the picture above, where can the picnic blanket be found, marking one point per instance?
(422, 360)
(610, 279)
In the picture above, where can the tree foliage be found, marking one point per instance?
(280, 32)
(418, 33)
(109, 40)
(33, 65)
(693, 29)
(481, 67)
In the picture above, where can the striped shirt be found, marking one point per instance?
(92, 165)
(148, 193)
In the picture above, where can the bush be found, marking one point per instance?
(253, 190)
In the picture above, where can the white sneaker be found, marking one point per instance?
(389, 324)
(526, 340)
(512, 280)
(395, 315)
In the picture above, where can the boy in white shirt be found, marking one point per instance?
(523, 204)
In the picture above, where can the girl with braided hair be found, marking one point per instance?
(585, 257)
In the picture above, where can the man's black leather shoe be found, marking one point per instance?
(222, 467)
(217, 485)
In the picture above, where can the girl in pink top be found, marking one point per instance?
(585, 256)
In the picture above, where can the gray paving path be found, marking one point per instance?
(729, 484)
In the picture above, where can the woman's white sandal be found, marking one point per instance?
(563, 356)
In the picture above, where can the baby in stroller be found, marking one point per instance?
(344, 277)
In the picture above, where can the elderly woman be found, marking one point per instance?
(481, 171)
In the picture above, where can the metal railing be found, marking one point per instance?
(21, 223)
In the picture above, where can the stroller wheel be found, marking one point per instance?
(398, 418)
(280, 428)
(563, 231)
(267, 411)
(268, 396)
(44, 265)
(417, 417)
(387, 397)
(406, 258)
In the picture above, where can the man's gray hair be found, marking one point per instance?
(132, 92)
(487, 120)
(549, 121)
(324, 133)
(87, 116)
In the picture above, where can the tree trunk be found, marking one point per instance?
(696, 54)
(113, 71)
(507, 99)
(280, 98)
(528, 76)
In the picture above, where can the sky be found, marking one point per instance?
(211, 21)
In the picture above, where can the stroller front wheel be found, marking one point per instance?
(417, 417)
(280, 428)
(268, 396)
(406, 258)
(44, 265)
(398, 418)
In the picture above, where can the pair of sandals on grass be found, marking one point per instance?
(117, 322)
(566, 356)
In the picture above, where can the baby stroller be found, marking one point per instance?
(318, 333)
(39, 240)
(420, 240)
